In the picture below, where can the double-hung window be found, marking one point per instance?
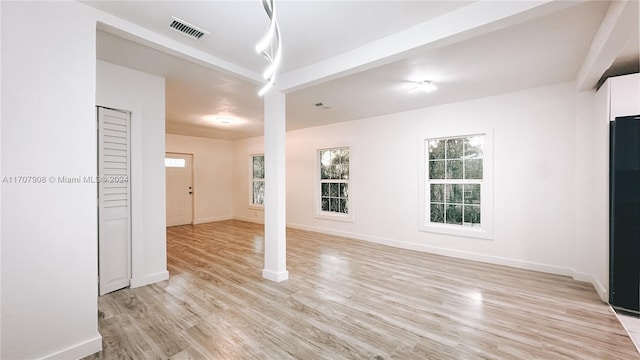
(455, 180)
(334, 171)
(457, 195)
(257, 180)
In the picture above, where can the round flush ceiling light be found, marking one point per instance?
(224, 120)
(426, 86)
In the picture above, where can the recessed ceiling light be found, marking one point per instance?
(426, 86)
(223, 119)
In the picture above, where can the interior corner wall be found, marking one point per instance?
(592, 190)
(0, 178)
(534, 145)
(49, 229)
(144, 96)
(212, 175)
(242, 151)
(584, 181)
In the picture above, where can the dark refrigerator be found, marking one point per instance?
(624, 217)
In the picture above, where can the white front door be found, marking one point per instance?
(114, 200)
(179, 189)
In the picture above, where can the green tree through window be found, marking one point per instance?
(334, 180)
(257, 180)
(454, 180)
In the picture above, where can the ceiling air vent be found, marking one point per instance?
(185, 28)
(323, 105)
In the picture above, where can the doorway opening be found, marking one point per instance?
(179, 172)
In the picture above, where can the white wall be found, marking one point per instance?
(213, 175)
(49, 231)
(599, 193)
(534, 147)
(591, 255)
(142, 94)
(0, 187)
(584, 182)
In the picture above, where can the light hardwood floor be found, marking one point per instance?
(348, 299)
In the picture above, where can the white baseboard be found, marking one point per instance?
(248, 219)
(521, 264)
(602, 291)
(275, 276)
(583, 277)
(149, 279)
(78, 351)
(213, 219)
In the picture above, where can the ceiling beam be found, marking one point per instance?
(141, 35)
(467, 22)
(610, 39)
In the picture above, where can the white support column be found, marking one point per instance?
(275, 214)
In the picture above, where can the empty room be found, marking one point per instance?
(320, 180)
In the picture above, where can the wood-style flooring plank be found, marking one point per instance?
(348, 299)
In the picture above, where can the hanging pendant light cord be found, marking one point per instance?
(270, 46)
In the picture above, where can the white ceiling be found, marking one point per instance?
(542, 49)
(311, 30)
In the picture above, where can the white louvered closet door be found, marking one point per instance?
(114, 199)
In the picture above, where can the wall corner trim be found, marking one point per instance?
(149, 279)
(251, 220)
(78, 351)
(212, 219)
(273, 276)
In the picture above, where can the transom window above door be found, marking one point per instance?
(173, 162)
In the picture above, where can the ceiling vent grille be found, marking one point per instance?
(187, 29)
(323, 105)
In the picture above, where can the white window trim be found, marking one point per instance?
(326, 215)
(253, 206)
(485, 231)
